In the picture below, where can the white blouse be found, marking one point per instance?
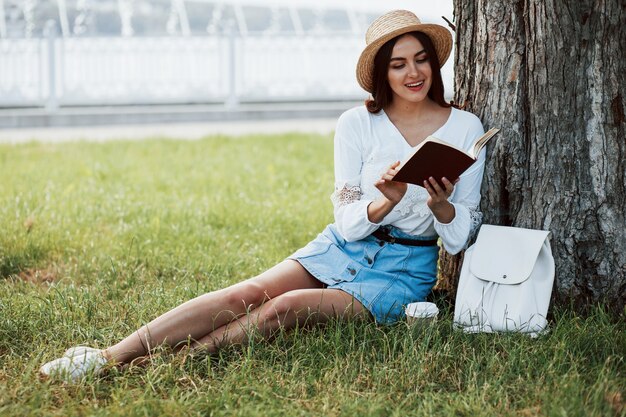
(366, 144)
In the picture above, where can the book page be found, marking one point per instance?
(482, 141)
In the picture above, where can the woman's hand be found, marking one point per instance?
(392, 194)
(438, 202)
(392, 190)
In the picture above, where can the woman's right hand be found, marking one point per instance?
(392, 190)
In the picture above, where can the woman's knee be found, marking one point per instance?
(292, 304)
(244, 296)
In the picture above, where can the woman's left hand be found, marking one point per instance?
(438, 199)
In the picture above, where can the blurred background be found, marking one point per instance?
(85, 62)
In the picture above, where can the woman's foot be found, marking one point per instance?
(76, 364)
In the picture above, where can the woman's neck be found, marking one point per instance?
(405, 109)
(417, 121)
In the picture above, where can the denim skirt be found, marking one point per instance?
(384, 277)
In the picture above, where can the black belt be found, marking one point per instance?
(382, 234)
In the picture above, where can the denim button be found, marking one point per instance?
(368, 259)
(352, 271)
(381, 243)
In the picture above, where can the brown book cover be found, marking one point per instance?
(436, 158)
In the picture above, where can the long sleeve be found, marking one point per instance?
(466, 201)
(350, 208)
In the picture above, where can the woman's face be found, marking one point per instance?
(409, 73)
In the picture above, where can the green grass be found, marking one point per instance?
(97, 239)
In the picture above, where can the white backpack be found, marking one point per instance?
(506, 281)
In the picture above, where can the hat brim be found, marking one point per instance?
(439, 35)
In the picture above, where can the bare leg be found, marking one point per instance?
(297, 307)
(202, 315)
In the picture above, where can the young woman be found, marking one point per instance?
(381, 252)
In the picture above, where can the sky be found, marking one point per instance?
(426, 10)
(419, 7)
(422, 8)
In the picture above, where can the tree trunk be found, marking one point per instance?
(551, 74)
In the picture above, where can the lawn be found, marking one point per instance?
(99, 238)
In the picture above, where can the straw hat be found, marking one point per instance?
(390, 25)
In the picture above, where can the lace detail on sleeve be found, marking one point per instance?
(346, 195)
(476, 218)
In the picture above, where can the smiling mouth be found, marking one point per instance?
(414, 85)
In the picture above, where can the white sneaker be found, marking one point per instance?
(72, 369)
(79, 350)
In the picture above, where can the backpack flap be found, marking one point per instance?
(506, 255)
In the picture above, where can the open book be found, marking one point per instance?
(436, 158)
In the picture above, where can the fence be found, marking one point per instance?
(52, 72)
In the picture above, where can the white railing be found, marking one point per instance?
(57, 72)
(24, 72)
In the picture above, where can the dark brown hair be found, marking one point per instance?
(382, 94)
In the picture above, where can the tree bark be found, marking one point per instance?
(551, 74)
